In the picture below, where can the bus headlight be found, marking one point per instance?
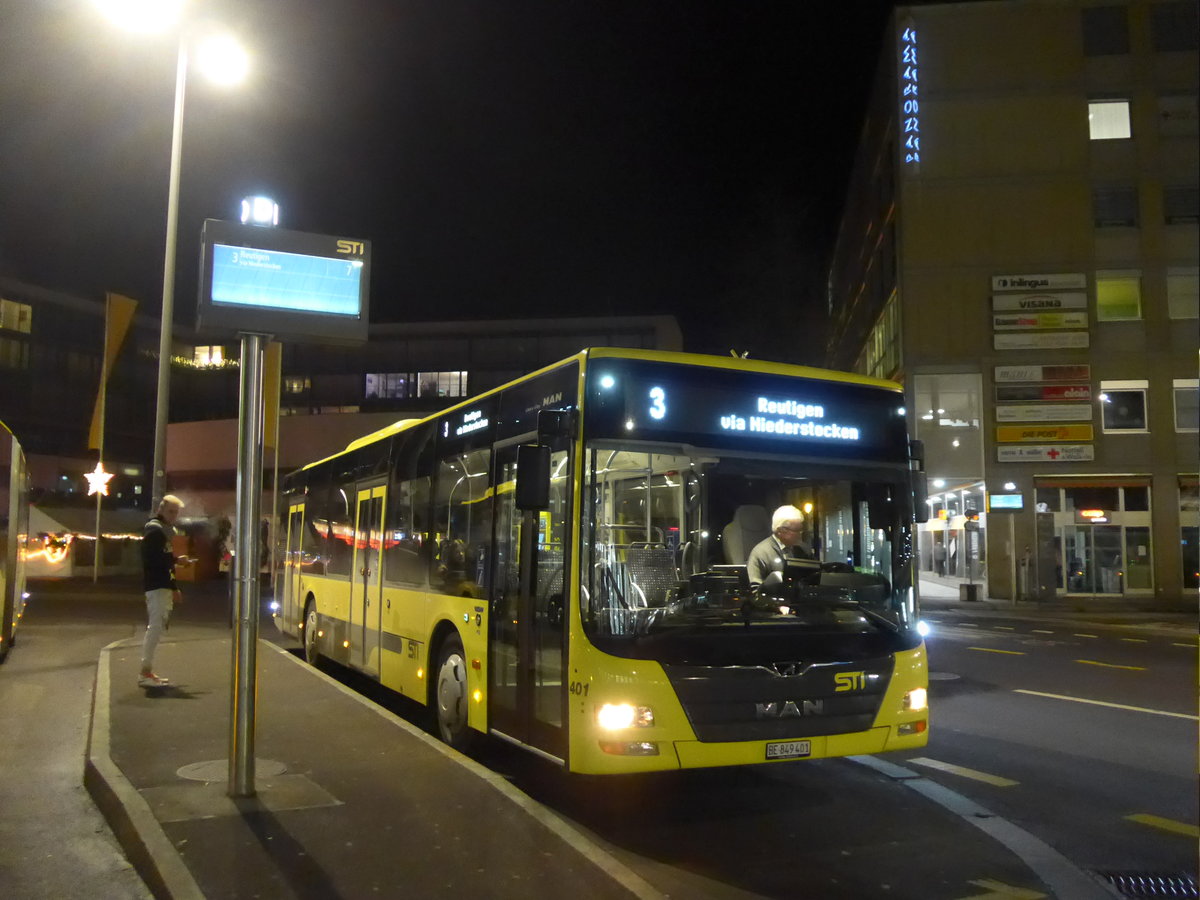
(615, 716)
(923, 628)
(916, 700)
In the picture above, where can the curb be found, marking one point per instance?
(139, 833)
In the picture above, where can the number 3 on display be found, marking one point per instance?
(658, 403)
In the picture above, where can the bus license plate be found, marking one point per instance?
(788, 749)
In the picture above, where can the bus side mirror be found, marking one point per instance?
(920, 497)
(533, 477)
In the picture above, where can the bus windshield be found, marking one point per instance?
(668, 535)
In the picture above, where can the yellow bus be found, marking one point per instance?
(14, 535)
(561, 563)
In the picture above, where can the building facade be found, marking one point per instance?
(1019, 247)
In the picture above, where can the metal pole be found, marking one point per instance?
(245, 568)
(100, 441)
(159, 468)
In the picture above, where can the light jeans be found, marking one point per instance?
(158, 611)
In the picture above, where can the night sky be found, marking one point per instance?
(505, 158)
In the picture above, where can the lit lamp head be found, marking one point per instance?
(260, 211)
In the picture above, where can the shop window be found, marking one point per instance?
(1174, 26)
(1105, 30)
(1183, 292)
(1187, 404)
(208, 357)
(1137, 498)
(1115, 207)
(1092, 497)
(1189, 531)
(1108, 120)
(1181, 204)
(296, 385)
(1118, 295)
(1123, 405)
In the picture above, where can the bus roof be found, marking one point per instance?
(666, 356)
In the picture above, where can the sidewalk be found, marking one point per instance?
(351, 800)
(942, 595)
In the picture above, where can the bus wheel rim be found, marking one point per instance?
(452, 695)
(310, 634)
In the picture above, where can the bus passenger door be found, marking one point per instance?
(365, 585)
(293, 566)
(527, 653)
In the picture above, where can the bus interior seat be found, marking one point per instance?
(653, 570)
(750, 525)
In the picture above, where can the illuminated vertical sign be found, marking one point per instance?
(910, 96)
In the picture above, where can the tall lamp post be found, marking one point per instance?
(224, 62)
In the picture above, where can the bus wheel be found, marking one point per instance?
(451, 700)
(312, 652)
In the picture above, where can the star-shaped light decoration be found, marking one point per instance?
(98, 480)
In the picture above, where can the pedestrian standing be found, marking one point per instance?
(158, 577)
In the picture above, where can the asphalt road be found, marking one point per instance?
(1083, 734)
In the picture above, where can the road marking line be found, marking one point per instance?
(1166, 824)
(1142, 709)
(973, 774)
(1006, 628)
(994, 650)
(1042, 631)
(967, 625)
(997, 890)
(1086, 635)
(1092, 662)
(1135, 640)
(1189, 646)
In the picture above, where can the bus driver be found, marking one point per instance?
(787, 524)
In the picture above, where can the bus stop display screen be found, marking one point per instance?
(725, 408)
(288, 284)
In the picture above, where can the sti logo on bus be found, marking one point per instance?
(788, 709)
(353, 248)
(849, 681)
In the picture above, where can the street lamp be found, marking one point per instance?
(226, 62)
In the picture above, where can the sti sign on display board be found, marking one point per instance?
(289, 284)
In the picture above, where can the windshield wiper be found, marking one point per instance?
(875, 618)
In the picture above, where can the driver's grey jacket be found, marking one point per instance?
(767, 557)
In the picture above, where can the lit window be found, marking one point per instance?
(296, 385)
(441, 384)
(204, 357)
(1123, 405)
(16, 316)
(1118, 295)
(1187, 404)
(1108, 120)
(1183, 292)
(388, 386)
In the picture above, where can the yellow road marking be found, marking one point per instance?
(1087, 635)
(1042, 631)
(998, 890)
(1166, 824)
(1142, 709)
(1092, 662)
(1135, 640)
(1189, 646)
(994, 650)
(973, 774)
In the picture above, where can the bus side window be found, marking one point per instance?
(462, 523)
(341, 524)
(404, 561)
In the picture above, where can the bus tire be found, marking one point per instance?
(451, 699)
(312, 647)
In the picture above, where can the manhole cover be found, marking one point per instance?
(218, 770)
(943, 676)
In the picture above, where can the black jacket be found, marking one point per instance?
(158, 561)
